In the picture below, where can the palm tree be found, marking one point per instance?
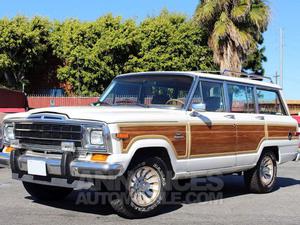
(235, 28)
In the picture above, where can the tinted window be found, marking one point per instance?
(213, 96)
(197, 98)
(148, 90)
(269, 102)
(241, 99)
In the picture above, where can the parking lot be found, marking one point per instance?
(235, 207)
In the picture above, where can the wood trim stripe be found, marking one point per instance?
(206, 146)
(281, 131)
(167, 132)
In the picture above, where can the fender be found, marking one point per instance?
(287, 151)
(125, 158)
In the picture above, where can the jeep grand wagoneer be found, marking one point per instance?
(151, 128)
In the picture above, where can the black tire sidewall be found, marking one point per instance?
(270, 186)
(157, 164)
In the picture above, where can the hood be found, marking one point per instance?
(107, 114)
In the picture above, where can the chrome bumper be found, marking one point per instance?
(57, 182)
(76, 168)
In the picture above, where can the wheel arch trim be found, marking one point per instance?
(148, 143)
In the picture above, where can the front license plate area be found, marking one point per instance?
(37, 167)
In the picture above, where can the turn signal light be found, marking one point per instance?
(122, 136)
(8, 149)
(99, 157)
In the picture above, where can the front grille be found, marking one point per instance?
(47, 134)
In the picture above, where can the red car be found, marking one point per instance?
(297, 118)
(11, 102)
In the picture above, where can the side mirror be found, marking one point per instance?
(200, 107)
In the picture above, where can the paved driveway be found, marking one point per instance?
(235, 207)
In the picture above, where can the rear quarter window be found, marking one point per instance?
(269, 102)
(241, 98)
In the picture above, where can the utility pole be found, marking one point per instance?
(281, 56)
(276, 77)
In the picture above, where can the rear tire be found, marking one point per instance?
(262, 178)
(145, 189)
(45, 192)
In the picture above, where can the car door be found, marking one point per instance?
(250, 126)
(213, 131)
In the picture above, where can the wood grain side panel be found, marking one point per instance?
(217, 139)
(249, 137)
(281, 131)
(169, 132)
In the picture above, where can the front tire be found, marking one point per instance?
(45, 192)
(262, 178)
(145, 189)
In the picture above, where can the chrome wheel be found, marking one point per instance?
(144, 186)
(266, 171)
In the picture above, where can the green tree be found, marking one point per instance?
(93, 52)
(254, 62)
(23, 45)
(170, 42)
(235, 28)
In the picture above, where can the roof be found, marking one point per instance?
(208, 75)
(293, 102)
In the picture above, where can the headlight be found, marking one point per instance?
(8, 133)
(96, 137)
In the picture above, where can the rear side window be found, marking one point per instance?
(269, 102)
(213, 96)
(241, 99)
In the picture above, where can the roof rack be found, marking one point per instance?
(251, 76)
(242, 75)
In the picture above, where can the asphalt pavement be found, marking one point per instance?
(231, 204)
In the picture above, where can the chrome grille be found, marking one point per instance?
(47, 134)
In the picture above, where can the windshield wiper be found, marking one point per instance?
(99, 103)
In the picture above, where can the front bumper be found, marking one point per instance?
(61, 166)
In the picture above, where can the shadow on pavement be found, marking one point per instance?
(283, 182)
(232, 186)
(96, 206)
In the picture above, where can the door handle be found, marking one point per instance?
(230, 117)
(260, 117)
(179, 135)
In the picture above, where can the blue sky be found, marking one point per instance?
(285, 14)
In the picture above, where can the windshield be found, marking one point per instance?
(148, 90)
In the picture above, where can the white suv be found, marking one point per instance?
(148, 129)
